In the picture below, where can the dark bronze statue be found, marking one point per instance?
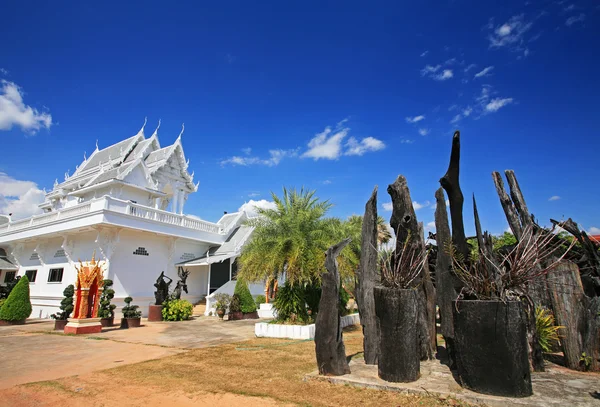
(181, 284)
(162, 288)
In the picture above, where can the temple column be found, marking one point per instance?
(175, 201)
(182, 198)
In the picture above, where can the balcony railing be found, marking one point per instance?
(117, 206)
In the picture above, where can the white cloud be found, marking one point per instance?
(354, 147)
(21, 198)
(430, 226)
(444, 75)
(247, 150)
(575, 19)
(3, 71)
(496, 104)
(326, 182)
(468, 68)
(554, 198)
(594, 231)
(484, 72)
(275, 157)
(456, 119)
(415, 119)
(510, 34)
(424, 53)
(424, 132)
(388, 206)
(467, 111)
(14, 112)
(417, 205)
(250, 207)
(406, 141)
(429, 69)
(253, 194)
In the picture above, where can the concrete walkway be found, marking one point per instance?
(34, 352)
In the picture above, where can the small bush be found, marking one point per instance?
(260, 299)
(177, 310)
(66, 305)
(130, 311)
(246, 301)
(107, 310)
(235, 305)
(222, 301)
(547, 332)
(312, 294)
(290, 303)
(18, 305)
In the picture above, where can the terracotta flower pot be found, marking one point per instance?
(107, 322)
(59, 324)
(491, 347)
(133, 322)
(221, 313)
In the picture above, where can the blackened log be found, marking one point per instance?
(508, 206)
(577, 314)
(329, 344)
(450, 182)
(518, 200)
(367, 278)
(427, 313)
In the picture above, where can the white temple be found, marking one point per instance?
(125, 202)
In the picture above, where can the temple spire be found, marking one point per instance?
(182, 129)
(141, 132)
(156, 131)
(96, 145)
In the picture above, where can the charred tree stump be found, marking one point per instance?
(445, 281)
(491, 347)
(450, 183)
(367, 278)
(405, 225)
(329, 344)
(397, 313)
(507, 205)
(578, 314)
(428, 305)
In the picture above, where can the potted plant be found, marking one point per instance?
(17, 307)
(222, 303)
(396, 309)
(490, 321)
(235, 308)
(107, 310)
(131, 316)
(247, 304)
(66, 306)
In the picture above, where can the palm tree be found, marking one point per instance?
(290, 238)
(383, 233)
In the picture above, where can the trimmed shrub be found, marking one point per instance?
(2, 300)
(247, 304)
(130, 311)
(17, 306)
(290, 303)
(260, 299)
(235, 304)
(66, 305)
(107, 310)
(177, 310)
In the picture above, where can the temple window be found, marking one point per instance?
(31, 275)
(55, 275)
(9, 276)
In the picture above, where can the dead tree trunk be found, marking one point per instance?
(507, 205)
(445, 281)
(519, 201)
(405, 225)
(329, 344)
(428, 296)
(450, 182)
(578, 314)
(367, 278)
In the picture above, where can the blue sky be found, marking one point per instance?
(335, 96)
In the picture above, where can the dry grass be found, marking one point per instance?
(266, 368)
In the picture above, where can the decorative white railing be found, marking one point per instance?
(113, 205)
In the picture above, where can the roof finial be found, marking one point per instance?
(156, 131)
(55, 182)
(84, 156)
(182, 129)
(96, 144)
(141, 132)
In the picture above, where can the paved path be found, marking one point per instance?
(33, 352)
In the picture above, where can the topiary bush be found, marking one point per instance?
(17, 306)
(235, 304)
(247, 304)
(290, 303)
(260, 299)
(177, 310)
(107, 310)
(66, 305)
(130, 311)
(2, 300)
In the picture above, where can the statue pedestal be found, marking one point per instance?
(79, 326)
(155, 313)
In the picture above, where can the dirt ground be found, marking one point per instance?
(265, 372)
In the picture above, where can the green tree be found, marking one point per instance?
(505, 239)
(17, 306)
(290, 238)
(247, 303)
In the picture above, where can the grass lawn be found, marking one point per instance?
(259, 372)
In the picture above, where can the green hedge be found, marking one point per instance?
(17, 306)
(246, 300)
(177, 310)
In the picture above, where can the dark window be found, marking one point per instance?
(55, 275)
(31, 275)
(9, 276)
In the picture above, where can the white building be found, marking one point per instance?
(126, 203)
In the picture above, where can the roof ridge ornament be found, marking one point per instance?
(96, 145)
(182, 129)
(141, 132)
(55, 182)
(84, 156)
(155, 134)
